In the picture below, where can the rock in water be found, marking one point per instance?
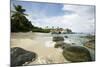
(76, 54)
(66, 36)
(19, 56)
(58, 38)
(61, 45)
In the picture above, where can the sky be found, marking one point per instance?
(79, 18)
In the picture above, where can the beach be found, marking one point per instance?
(43, 46)
(40, 45)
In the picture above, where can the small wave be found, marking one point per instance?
(49, 44)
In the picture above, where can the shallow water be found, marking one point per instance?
(46, 38)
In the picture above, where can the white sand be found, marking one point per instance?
(39, 43)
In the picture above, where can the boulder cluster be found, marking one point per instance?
(72, 53)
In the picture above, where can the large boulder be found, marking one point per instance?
(90, 44)
(58, 38)
(19, 56)
(76, 54)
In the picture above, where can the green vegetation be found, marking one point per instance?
(37, 29)
(19, 22)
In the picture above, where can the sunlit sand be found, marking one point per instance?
(39, 44)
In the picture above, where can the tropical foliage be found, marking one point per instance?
(19, 22)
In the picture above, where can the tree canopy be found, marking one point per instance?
(19, 22)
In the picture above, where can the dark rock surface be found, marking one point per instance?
(76, 54)
(19, 56)
(58, 38)
(61, 45)
(90, 44)
(66, 36)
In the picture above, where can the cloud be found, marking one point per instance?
(81, 20)
(85, 19)
(86, 11)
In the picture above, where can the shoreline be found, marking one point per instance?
(42, 44)
(46, 54)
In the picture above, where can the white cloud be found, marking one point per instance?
(82, 19)
(85, 19)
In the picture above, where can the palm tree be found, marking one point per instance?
(19, 11)
(19, 22)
